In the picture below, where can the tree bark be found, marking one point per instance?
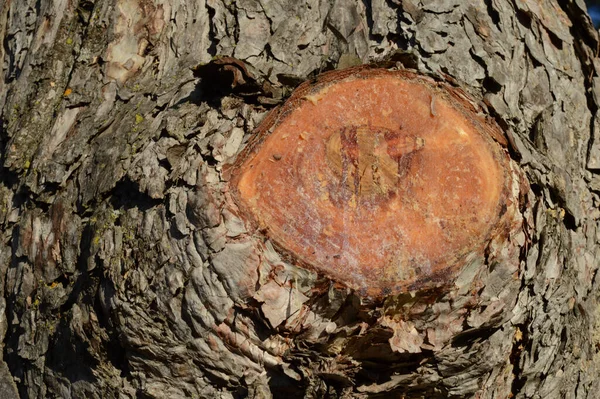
(126, 274)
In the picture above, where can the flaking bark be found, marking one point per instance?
(123, 274)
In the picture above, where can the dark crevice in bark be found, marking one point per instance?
(10, 75)
(483, 64)
(85, 9)
(407, 58)
(326, 65)
(469, 337)
(490, 85)
(578, 30)
(17, 365)
(252, 312)
(51, 188)
(38, 7)
(582, 27)
(227, 77)
(265, 13)
(524, 18)
(426, 54)
(68, 352)
(15, 306)
(370, 22)
(492, 12)
(174, 232)
(164, 163)
(212, 49)
(161, 108)
(290, 81)
(536, 189)
(26, 198)
(557, 198)
(515, 359)
(569, 220)
(10, 179)
(116, 354)
(284, 387)
(534, 61)
(512, 150)
(232, 7)
(127, 195)
(4, 139)
(554, 39)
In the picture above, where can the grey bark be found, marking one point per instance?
(124, 275)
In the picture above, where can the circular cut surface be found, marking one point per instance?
(379, 180)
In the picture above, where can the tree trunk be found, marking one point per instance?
(128, 272)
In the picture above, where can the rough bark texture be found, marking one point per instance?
(125, 275)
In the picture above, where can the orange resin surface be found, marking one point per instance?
(379, 180)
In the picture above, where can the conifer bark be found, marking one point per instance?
(124, 274)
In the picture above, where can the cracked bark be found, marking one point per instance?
(123, 274)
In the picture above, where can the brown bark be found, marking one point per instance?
(124, 274)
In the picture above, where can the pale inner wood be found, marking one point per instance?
(368, 184)
(369, 161)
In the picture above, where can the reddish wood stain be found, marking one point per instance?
(384, 181)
